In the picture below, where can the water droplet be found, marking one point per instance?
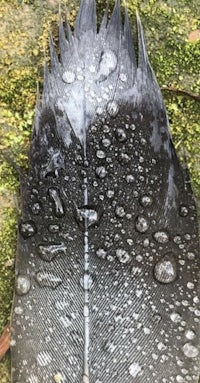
(18, 310)
(113, 108)
(36, 208)
(165, 270)
(141, 224)
(23, 284)
(59, 209)
(183, 211)
(46, 279)
(101, 253)
(146, 200)
(68, 77)
(123, 256)
(43, 359)
(179, 379)
(120, 212)
(90, 213)
(49, 252)
(176, 317)
(106, 142)
(100, 154)
(130, 178)
(54, 228)
(190, 285)
(134, 369)
(161, 236)
(190, 334)
(190, 256)
(86, 282)
(121, 135)
(101, 172)
(27, 229)
(190, 351)
(124, 158)
(107, 65)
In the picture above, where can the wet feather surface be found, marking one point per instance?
(108, 266)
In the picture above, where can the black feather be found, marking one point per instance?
(107, 272)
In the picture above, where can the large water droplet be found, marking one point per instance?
(190, 351)
(45, 279)
(165, 270)
(27, 229)
(90, 213)
(107, 65)
(141, 224)
(59, 208)
(68, 77)
(121, 135)
(134, 369)
(23, 284)
(43, 359)
(101, 172)
(161, 237)
(123, 256)
(146, 200)
(49, 252)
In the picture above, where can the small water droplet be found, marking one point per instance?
(49, 252)
(120, 212)
(183, 211)
(54, 228)
(161, 237)
(100, 154)
(190, 255)
(190, 334)
(59, 208)
(141, 224)
(46, 279)
(18, 310)
(101, 172)
(146, 200)
(176, 317)
(190, 351)
(113, 108)
(165, 270)
(23, 284)
(68, 77)
(43, 359)
(66, 320)
(123, 256)
(121, 135)
(109, 347)
(36, 208)
(130, 178)
(58, 378)
(101, 253)
(106, 142)
(134, 369)
(27, 229)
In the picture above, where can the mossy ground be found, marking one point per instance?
(24, 29)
